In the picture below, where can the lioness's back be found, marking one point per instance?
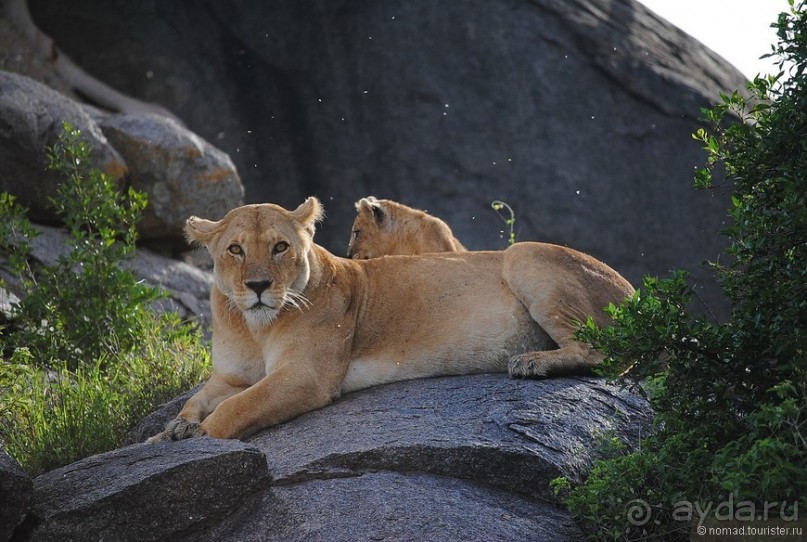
(434, 298)
(445, 310)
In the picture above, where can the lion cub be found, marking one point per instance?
(294, 327)
(385, 227)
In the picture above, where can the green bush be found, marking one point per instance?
(730, 397)
(85, 303)
(83, 356)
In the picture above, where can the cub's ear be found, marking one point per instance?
(373, 207)
(309, 213)
(199, 231)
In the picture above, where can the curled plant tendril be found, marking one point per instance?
(498, 206)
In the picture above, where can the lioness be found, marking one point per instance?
(385, 227)
(294, 327)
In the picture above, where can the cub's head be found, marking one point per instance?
(261, 256)
(385, 227)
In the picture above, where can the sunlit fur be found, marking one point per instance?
(385, 227)
(257, 260)
(329, 325)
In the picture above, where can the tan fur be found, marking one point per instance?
(330, 325)
(386, 227)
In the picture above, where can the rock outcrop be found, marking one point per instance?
(15, 492)
(186, 286)
(181, 173)
(31, 117)
(578, 113)
(456, 458)
(155, 492)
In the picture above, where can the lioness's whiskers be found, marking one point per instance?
(296, 299)
(233, 307)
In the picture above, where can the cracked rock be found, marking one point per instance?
(15, 492)
(442, 459)
(145, 492)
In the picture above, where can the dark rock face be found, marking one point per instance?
(145, 492)
(15, 492)
(577, 113)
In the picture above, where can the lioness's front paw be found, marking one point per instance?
(526, 366)
(178, 429)
(159, 437)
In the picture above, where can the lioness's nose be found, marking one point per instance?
(258, 286)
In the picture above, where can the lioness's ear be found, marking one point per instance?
(372, 206)
(309, 213)
(199, 230)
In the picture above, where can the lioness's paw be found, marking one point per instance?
(178, 429)
(527, 366)
(159, 437)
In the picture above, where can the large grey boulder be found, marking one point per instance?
(456, 458)
(145, 492)
(31, 117)
(182, 174)
(511, 434)
(393, 506)
(15, 492)
(578, 113)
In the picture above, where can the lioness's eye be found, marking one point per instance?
(282, 246)
(235, 250)
(356, 233)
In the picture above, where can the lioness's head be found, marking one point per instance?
(385, 227)
(260, 255)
